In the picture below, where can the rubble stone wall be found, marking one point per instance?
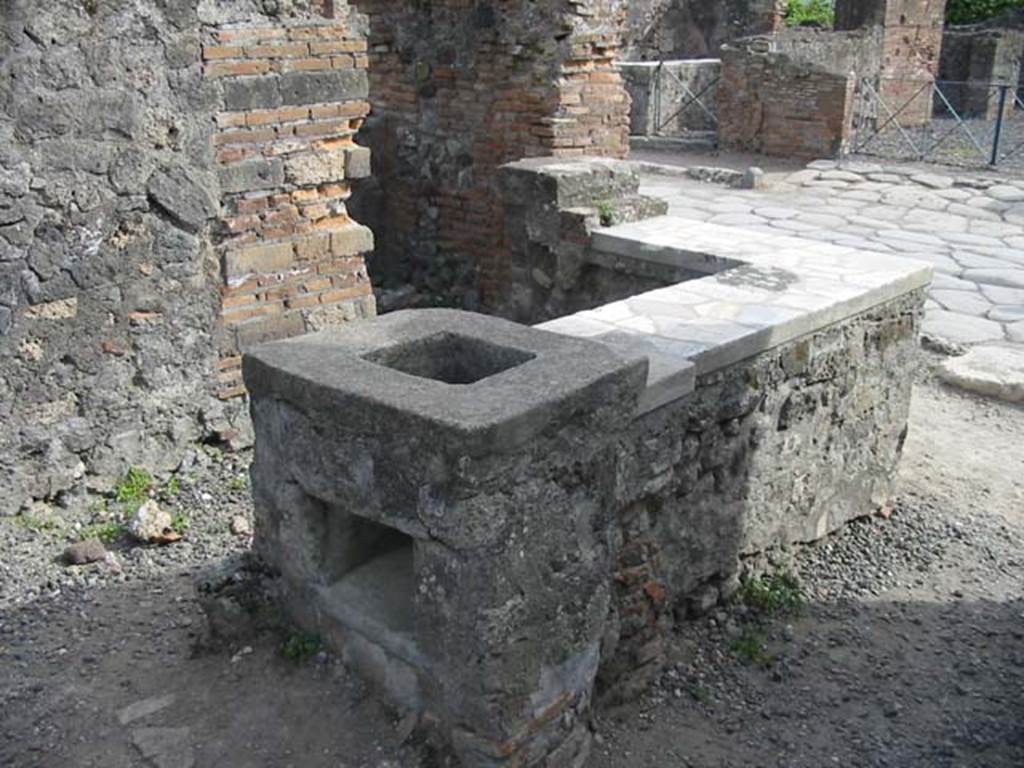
(688, 29)
(459, 89)
(157, 214)
(775, 450)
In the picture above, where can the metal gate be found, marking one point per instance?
(964, 123)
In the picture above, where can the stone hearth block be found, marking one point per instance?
(437, 489)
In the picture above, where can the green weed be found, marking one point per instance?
(750, 647)
(300, 646)
(180, 523)
(105, 532)
(606, 213)
(774, 594)
(135, 487)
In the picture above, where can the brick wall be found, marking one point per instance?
(769, 103)
(459, 89)
(293, 98)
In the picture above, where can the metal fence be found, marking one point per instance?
(674, 99)
(963, 123)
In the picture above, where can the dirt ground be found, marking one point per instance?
(908, 651)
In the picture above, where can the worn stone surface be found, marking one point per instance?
(975, 294)
(497, 490)
(996, 371)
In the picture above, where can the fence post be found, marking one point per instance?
(1003, 90)
(657, 98)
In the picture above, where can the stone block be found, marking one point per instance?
(317, 167)
(257, 259)
(320, 87)
(351, 240)
(246, 93)
(452, 439)
(251, 175)
(357, 164)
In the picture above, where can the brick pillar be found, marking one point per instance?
(292, 98)
(460, 89)
(911, 43)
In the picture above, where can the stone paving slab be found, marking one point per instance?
(969, 228)
(996, 371)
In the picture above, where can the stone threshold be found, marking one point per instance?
(760, 291)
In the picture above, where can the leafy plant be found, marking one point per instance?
(180, 523)
(750, 647)
(973, 11)
(90, 6)
(810, 12)
(172, 488)
(300, 646)
(237, 483)
(606, 213)
(33, 523)
(135, 486)
(105, 532)
(778, 593)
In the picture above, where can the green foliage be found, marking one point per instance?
(33, 523)
(750, 647)
(299, 646)
(778, 593)
(238, 483)
(172, 488)
(105, 532)
(606, 213)
(973, 11)
(810, 12)
(90, 6)
(135, 486)
(180, 523)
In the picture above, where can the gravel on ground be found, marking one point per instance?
(908, 650)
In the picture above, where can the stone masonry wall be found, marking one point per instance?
(773, 104)
(689, 29)
(775, 450)
(974, 60)
(780, 448)
(124, 197)
(460, 88)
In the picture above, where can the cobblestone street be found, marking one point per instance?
(971, 229)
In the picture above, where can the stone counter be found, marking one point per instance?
(495, 522)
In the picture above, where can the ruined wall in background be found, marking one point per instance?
(774, 104)
(689, 29)
(911, 45)
(459, 89)
(974, 60)
(114, 310)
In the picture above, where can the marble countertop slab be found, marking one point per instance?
(761, 290)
